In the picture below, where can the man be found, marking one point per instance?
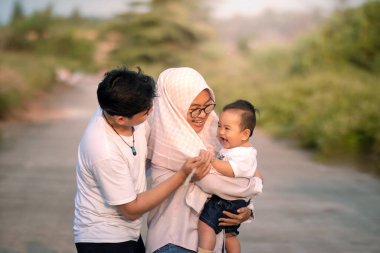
(110, 171)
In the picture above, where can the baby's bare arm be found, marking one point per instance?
(223, 167)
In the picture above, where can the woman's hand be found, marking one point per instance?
(244, 214)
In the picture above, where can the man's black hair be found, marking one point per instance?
(248, 116)
(125, 92)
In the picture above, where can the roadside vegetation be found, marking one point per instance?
(324, 91)
(321, 91)
(32, 49)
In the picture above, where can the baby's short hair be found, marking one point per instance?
(248, 115)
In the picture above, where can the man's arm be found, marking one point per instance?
(145, 201)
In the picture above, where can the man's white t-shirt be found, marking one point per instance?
(108, 174)
(242, 160)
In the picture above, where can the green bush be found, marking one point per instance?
(332, 112)
(9, 99)
(324, 93)
(21, 77)
(68, 48)
(45, 35)
(166, 34)
(350, 36)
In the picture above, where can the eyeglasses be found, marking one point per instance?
(197, 111)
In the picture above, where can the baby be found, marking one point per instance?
(237, 158)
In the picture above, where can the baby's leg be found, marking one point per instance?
(232, 244)
(207, 237)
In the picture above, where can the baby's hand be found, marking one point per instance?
(204, 168)
(212, 153)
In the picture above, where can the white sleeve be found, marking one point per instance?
(258, 189)
(258, 186)
(243, 162)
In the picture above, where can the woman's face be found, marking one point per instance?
(199, 110)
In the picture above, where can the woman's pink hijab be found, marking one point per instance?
(172, 139)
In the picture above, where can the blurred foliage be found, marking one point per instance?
(325, 91)
(45, 35)
(32, 47)
(156, 37)
(350, 36)
(322, 92)
(22, 76)
(18, 12)
(166, 33)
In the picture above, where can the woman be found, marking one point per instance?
(183, 124)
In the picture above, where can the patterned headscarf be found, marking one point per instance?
(172, 139)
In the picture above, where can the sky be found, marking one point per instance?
(221, 8)
(228, 8)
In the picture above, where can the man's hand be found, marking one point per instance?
(201, 165)
(235, 219)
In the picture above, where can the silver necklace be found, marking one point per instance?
(133, 149)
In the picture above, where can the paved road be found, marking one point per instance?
(307, 207)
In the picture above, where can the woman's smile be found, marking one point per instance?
(198, 123)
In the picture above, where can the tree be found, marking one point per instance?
(349, 36)
(76, 15)
(18, 13)
(168, 29)
(352, 35)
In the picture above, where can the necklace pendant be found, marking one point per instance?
(133, 150)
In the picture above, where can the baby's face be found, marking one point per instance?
(229, 133)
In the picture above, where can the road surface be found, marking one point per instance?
(306, 207)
